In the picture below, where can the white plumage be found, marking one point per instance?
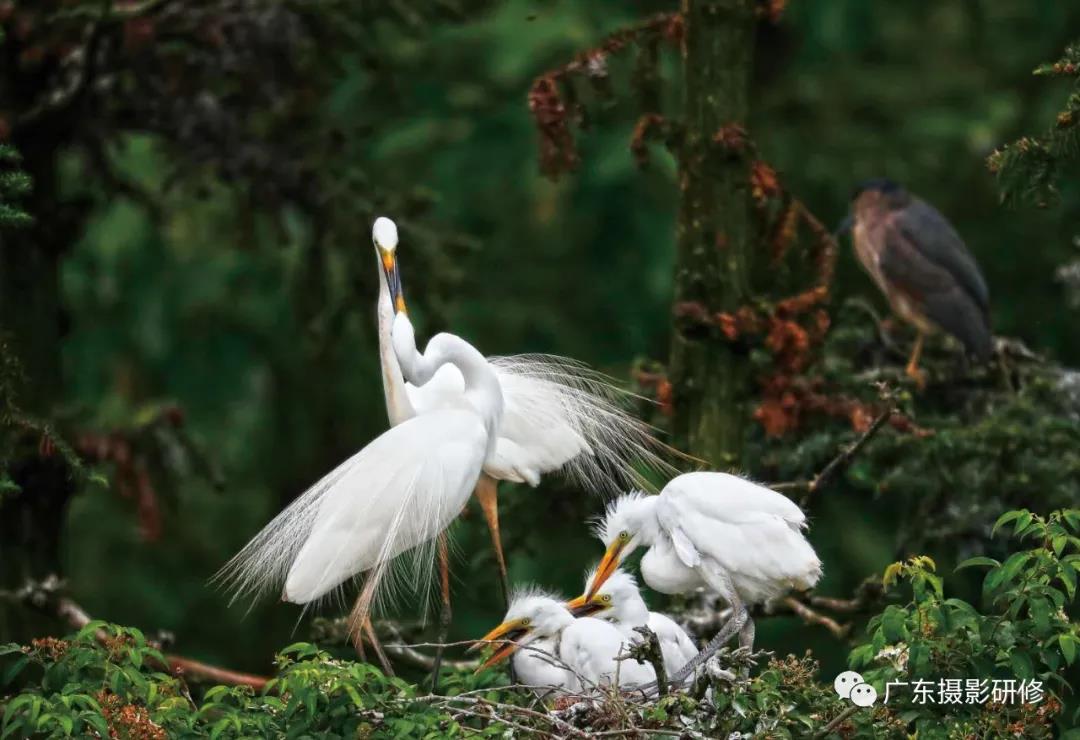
(394, 495)
(717, 531)
(620, 602)
(584, 650)
(557, 415)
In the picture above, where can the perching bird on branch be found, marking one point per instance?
(715, 531)
(558, 414)
(922, 266)
(620, 602)
(583, 651)
(395, 495)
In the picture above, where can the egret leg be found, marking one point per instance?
(445, 614)
(487, 494)
(360, 626)
(720, 582)
(912, 368)
(746, 640)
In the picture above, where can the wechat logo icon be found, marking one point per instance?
(850, 685)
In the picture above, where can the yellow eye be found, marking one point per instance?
(624, 535)
(525, 622)
(606, 598)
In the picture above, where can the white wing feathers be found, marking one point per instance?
(751, 532)
(398, 492)
(557, 414)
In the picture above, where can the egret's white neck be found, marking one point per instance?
(554, 622)
(482, 389)
(630, 610)
(398, 406)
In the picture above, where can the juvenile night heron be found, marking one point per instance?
(922, 266)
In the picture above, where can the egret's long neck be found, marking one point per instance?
(555, 623)
(398, 406)
(482, 389)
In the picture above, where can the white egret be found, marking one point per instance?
(397, 493)
(715, 531)
(584, 650)
(557, 414)
(620, 602)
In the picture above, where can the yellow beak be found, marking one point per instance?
(607, 566)
(583, 606)
(393, 279)
(508, 631)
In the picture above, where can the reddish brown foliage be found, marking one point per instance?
(771, 10)
(787, 400)
(50, 646)
(647, 126)
(660, 386)
(558, 152)
(764, 182)
(128, 721)
(732, 137)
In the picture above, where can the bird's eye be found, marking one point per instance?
(525, 622)
(606, 598)
(624, 535)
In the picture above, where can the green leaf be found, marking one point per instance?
(1021, 664)
(1005, 518)
(893, 624)
(1067, 642)
(977, 561)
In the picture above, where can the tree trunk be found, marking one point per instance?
(710, 377)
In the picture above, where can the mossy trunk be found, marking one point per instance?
(714, 237)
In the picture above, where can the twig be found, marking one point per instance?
(837, 721)
(810, 616)
(840, 462)
(648, 650)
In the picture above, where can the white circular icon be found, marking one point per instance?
(845, 682)
(863, 695)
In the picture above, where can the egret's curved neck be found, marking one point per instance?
(398, 406)
(482, 389)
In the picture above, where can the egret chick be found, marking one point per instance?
(735, 538)
(620, 602)
(585, 649)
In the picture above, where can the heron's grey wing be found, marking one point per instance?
(936, 240)
(926, 273)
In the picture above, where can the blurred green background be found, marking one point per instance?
(264, 334)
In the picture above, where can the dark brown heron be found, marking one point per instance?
(922, 266)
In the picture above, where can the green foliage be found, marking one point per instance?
(1023, 635)
(14, 185)
(1030, 167)
(112, 681)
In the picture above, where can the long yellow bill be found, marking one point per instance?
(508, 631)
(393, 279)
(607, 566)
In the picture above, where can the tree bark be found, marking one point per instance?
(709, 375)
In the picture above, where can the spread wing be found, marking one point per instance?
(925, 260)
(557, 415)
(396, 493)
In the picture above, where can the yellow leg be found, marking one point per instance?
(487, 490)
(360, 626)
(912, 369)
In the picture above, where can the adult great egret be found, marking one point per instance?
(396, 494)
(557, 414)
(620, 602)
(713, 530)
(586, 649)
